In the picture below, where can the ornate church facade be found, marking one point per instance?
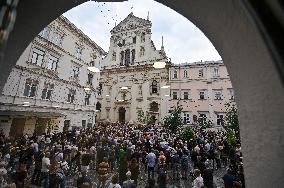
(129, 84)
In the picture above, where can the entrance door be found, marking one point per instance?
(41, 125)
(66, 125)
(121, 114)
(17, 127)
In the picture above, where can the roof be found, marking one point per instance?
(80, 32)
(131, 22)
(198, 63)
(31, 114)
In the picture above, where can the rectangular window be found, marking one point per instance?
(175, 75)
(218, 95)
(202, 95)
(185, 95)
(71, 96)
(75, 72)
(185, 74)
(57, 39)
(220, 119)
(37, 57)
(30, 88)
(134, 40)
(78, 52)
(52, 63)
(87, 99)
(175, 96)
(84, 123)
(231, 94)
(45, 32)
(216, 72)
(140, 90)
(202, 118)
(47, 91)
(186, 118)
(90, 79)
(200, 73)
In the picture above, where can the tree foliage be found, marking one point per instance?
(204, 123)
(173, 121)
(231, 118)
(146, 119)
(231, 124)
(188, 134)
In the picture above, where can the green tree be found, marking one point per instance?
(187, 134)
(231, 124)
(204, 123)
(173, 121)
(145, 119)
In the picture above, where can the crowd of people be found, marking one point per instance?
(115, 155)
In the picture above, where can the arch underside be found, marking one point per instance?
(251, 64)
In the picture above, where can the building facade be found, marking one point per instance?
(129, 84)
(51, 88)
(202, 89)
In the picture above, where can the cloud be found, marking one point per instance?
(183, 41)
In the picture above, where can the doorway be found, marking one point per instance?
(121, 114)
(17, 127)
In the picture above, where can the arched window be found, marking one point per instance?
(98, 106)
(154, 86)
(132, 56)
(143, 37)
(142, 51)
(185, 75)
(121, 58)
(100, 89)
(154, 107)
(114, 56)
(127, 57)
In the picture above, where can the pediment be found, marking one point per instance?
(131, 22)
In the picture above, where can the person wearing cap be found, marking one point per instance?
(129, 182)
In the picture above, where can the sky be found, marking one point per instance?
(183, 41)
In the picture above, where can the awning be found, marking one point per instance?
(31, 114)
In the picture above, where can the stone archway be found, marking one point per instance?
(252, 59)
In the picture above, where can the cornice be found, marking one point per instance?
(45, 74)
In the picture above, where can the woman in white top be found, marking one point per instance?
(198, 181)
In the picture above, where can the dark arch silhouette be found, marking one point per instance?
(98, 106)
(250, 45)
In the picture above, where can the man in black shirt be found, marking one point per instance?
(208, 176)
